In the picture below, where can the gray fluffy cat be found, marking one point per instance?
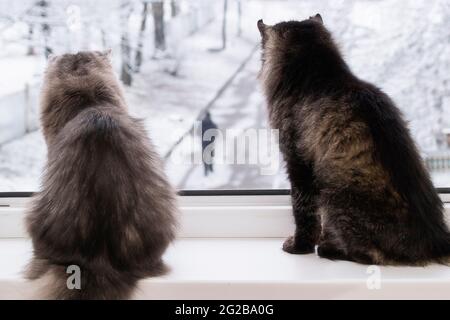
(105, 204)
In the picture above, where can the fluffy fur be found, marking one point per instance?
(359, 186)
(105, 203)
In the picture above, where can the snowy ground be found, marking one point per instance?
(240, 108)
(402, 46)
(171, 104)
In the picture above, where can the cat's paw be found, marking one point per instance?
(329, 252)
(294, 247)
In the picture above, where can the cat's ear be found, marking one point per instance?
(261, 27)
(317, 18)
(107, 54)
(51, 57)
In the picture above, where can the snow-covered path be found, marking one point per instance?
(241, 107)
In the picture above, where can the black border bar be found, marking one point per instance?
(193, 193)
(190, 193)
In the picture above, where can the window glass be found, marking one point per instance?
(192, 65)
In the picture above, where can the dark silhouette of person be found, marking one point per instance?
(207, 124)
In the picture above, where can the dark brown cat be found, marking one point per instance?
(105, 204)
(359, 187)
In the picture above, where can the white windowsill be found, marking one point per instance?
(229, 247)
(250, 269)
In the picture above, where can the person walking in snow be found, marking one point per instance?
(208, 143)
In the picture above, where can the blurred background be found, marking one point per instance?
(190, 62)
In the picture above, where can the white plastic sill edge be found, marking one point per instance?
(201, 216)
(235, 269)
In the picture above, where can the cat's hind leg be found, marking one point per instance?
(345, 239)
(329, 247)
(155, 269)
(36, 268)
(331, 252)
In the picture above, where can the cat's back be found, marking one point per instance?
(98, 124)
(356, 106)
(110, 153)
(104, 181)
(102, 143)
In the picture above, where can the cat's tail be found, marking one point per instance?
(75, 282)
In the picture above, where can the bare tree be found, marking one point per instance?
(31, 51)
(44, 5)
(239, 8)
(158, 20)
(140, 41)
(125, 74)
(174, 8)
(224, 25)
(224, 29)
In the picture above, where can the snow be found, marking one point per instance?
(27, 153)
(402, 46)
(183, 97)
(240, 108)
(20, 72)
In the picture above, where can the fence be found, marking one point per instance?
(438, 162)
(19, 113)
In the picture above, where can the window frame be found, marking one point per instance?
(203, 213)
